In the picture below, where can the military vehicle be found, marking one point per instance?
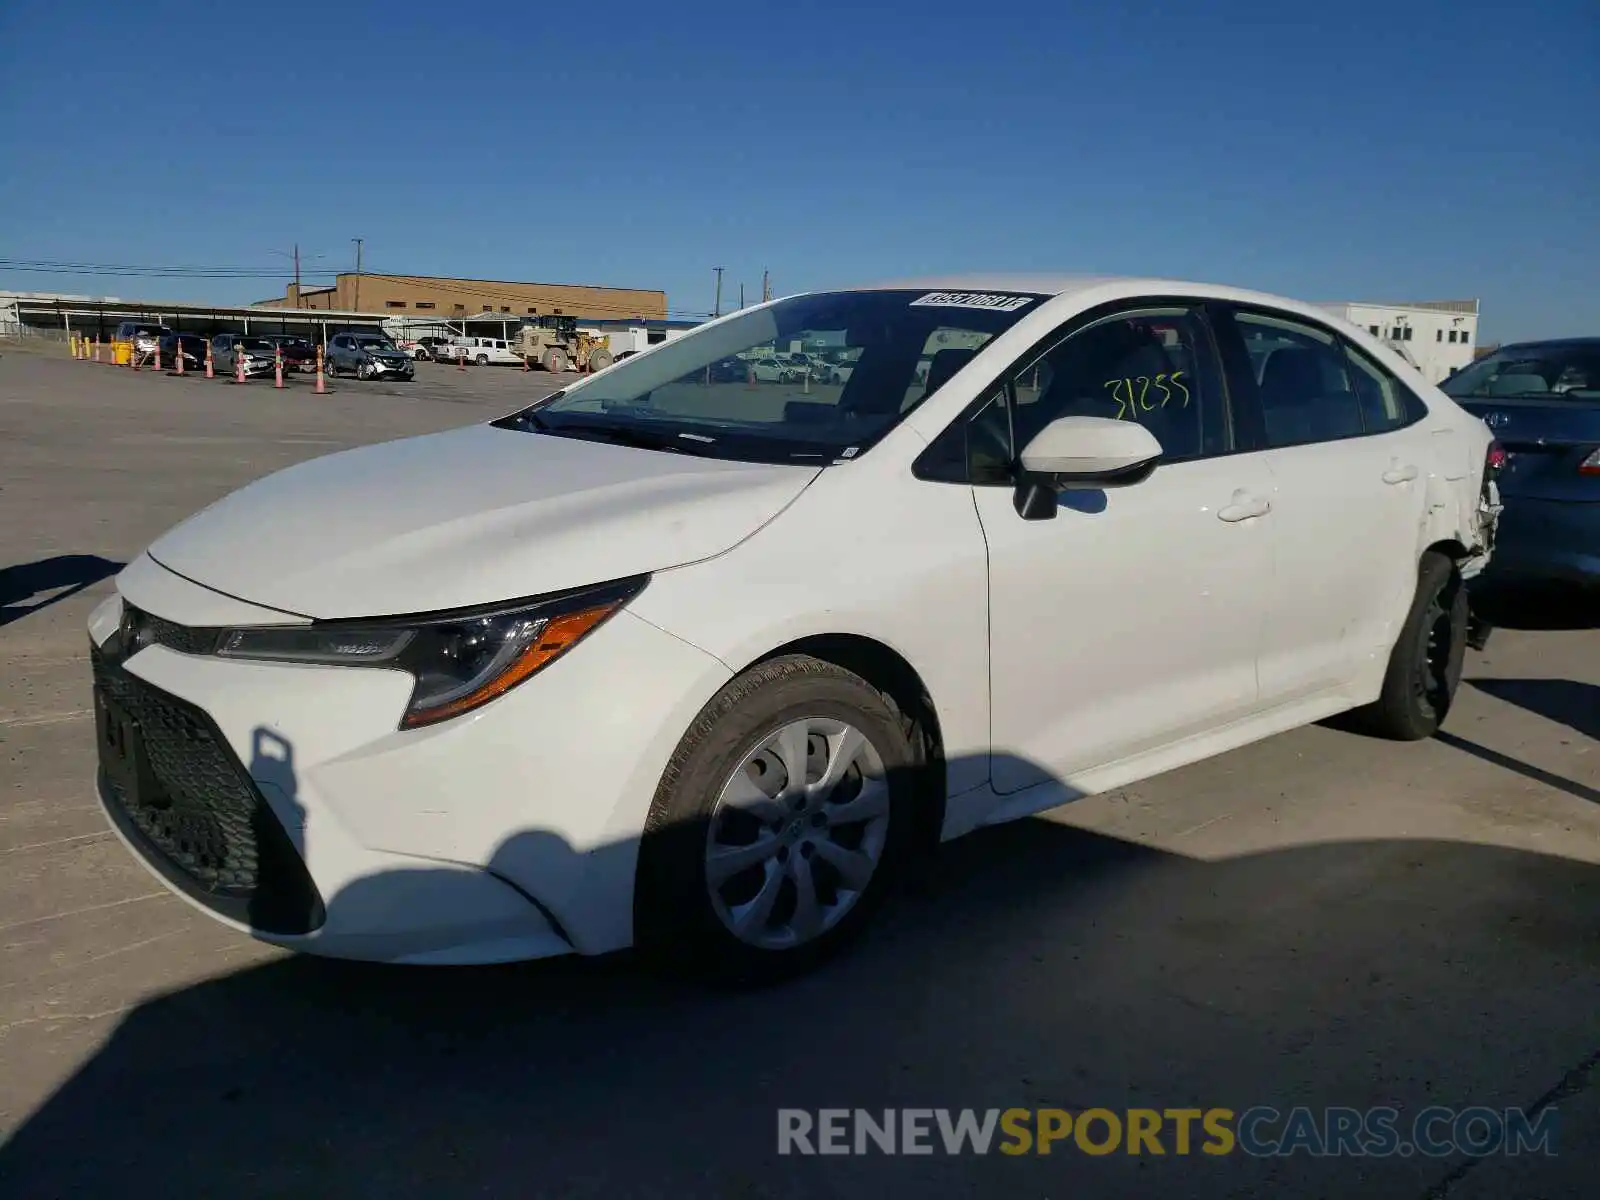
(556, 344)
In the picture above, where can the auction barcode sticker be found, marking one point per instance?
(986, 300)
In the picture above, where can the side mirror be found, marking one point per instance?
(1082, 453)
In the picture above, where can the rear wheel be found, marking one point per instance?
(599, 360)
(780, 824)
(482, 360)
(554, 361)
(1425, 664)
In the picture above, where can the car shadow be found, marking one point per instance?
(1535, 607)
(64, 575)
(1038, 965)
(1565, 701)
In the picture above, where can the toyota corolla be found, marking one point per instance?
(675, 660)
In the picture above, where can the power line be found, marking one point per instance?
(133, 272)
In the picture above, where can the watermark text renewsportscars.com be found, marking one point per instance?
(1261, 1131)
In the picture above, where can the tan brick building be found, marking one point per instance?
(455, 299)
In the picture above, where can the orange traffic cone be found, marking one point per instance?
(277, 368)
(321, 387)
(209, 375)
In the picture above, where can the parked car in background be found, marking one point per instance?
(367, 356)
(483, 351)
(258, 355)
(1541, 401)
(430, 347)
(144, 336)
(772, 370)
(299, 353)
(191, 345)
(654, 662)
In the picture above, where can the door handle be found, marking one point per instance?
(1399, 474)
(1244, 507)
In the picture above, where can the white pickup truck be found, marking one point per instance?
(483, 351)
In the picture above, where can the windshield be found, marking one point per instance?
(374, 343)
(1552, 370)
(812, 379)
(256, 344)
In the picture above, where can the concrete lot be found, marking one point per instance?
(1322, 919)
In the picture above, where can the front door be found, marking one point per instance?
(1132, 618)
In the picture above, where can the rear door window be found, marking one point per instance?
(1385, 402)
(1303, 380)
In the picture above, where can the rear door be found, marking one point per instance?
(1349, 491)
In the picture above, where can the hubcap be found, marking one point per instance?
(797, 833)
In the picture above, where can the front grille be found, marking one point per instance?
(198, 816)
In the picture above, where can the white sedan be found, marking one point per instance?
(668, 662)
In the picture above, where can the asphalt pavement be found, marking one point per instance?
(1321, 919)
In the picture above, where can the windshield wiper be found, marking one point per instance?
(628, 435)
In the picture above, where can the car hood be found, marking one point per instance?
(472, 516)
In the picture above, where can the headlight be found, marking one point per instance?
(459, 660)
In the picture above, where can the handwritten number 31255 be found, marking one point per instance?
(1133, 395)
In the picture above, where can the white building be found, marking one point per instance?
(1436, 336)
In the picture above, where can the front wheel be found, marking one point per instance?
(555, 361)
(780, 824)
(1425, 664)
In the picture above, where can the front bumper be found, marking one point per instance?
(290, 806)
(1547, 541)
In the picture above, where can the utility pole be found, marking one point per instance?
(741, 296)
(298, 303)
(717, 306)
(766, 287)
(357, 304)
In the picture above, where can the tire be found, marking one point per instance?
(1425, 664)
(681, 920)
(555, 361)
(599, 360)
(482, 360)
(330, 368)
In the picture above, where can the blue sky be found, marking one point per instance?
(1358, 151)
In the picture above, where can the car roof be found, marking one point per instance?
(1062, 284)
(1552, 343)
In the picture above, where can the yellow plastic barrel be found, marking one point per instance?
(122, 353)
